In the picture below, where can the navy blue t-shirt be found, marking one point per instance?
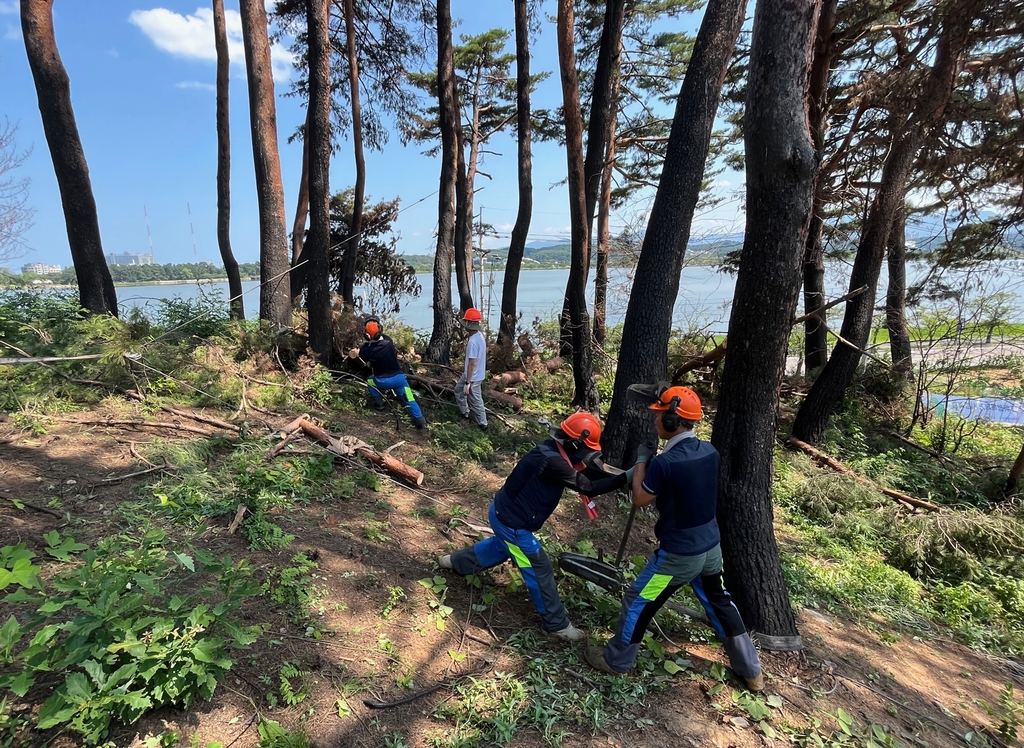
(685, 481)
(382, 357)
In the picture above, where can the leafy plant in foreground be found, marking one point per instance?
(116, 638)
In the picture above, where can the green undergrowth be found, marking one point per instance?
(848, 548)
(114, 631)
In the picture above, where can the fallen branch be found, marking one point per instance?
(822, 309)
(841, 468)
(508, 378)
(209, 420)
(33, 507)
(386, 461)
(695, 363)
(137, 473)
(136, 424)
(433, 384)
(239, 514)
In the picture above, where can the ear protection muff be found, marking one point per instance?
(669, 418)
(579, 443)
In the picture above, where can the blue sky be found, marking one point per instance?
(142, 78)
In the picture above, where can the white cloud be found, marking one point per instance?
(197, 85)
(191, 36)
(8, 7)
(13, 32)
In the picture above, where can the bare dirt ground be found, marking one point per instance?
(927, 690)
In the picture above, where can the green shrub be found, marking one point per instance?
(117, 634)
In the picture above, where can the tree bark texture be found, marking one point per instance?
(463, 219)
(643, 355)
(275, 280)
(517, 242)
(301, 272)
(586, 396)
(53, 90)
(220, 39)
(603, 103)
(351, 254)
(780, 163)
(439, 347)
(318, 136)
(900, 351)
(1013, 479)
(604, 246)
(815, 331)
(830, 386)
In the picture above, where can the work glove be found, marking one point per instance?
(646, 451)
(353, 353)
(466, 389)
(629, 475)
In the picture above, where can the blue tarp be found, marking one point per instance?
(995, 409)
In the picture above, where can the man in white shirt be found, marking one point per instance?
(468, 390)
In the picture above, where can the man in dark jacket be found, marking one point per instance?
(379, 352)
(530, 494)
(682, 482)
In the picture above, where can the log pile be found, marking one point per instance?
(434, 387)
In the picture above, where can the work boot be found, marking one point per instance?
(595, 658)
(445, 562)
(376, 405)
(482, 426)
(420, 423)
(755, 684)
(569, 634)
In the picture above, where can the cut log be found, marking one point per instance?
(386, 461)
(841, 468)
(508, 379)
(553, 364)
(434, 386)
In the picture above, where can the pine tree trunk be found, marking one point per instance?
(440, 345)
(896, 298)
(815, 331)
(53, 90)
(830, 386)
(301, 272)
(318, 136)
(1013, 479)
(351, 255)
(780, 163)
(643, 355)
(275, 281)
(585, 396)
(604, 247)
(517, 242)
(603, 103)
(220, 38)
(463, 224)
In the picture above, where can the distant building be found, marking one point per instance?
(128, 258)
(40, 268)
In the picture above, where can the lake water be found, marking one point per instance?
(705, 294)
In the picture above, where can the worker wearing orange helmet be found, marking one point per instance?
(469, 389)
(521, 506)
(379, 352)
(682, 482)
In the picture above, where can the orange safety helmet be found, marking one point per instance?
(582, 427)
(686, 403)
(472, 315)
(372, 328)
